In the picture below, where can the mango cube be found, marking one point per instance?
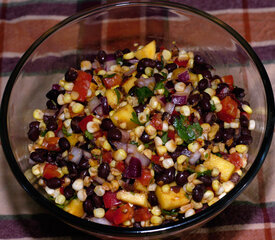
(148, 51)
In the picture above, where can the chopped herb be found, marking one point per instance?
(188, 133)
(172, 212)
(207, 172)
(164, 137)
(134, 143)
(42, 134)
(88, 135)
(164, 74)
(206, 155)
(146, 145)
(218, 154)
(143, 93)
(117, 94)
(119, 61)
(190, 170)
(187, 196)
(135, 119)
(213, 107)
(109, 75)
(160, 85)
(147, 117)
(65, 132)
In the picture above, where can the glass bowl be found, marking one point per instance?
(117, 26)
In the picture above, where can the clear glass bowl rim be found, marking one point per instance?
(88, 226)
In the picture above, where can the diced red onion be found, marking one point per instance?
(95, 64)
(208, 117)
(100, 221)
(77, 154)
(179, 98)
(55, 86)
(169, 107)
(105, 105)
(146, 82)
(87, 155)
(120, 145)
(99, 179)
(99, 111)
(133, 61)
(183, 77)
(108, 64)
(61, 110)
(161, 99)
(128, 158)
(60, 134)
(131, 70)
(194, 157)
(93, 104)
(110, 57)
(125, 136)
(188, 90)
(134, 168)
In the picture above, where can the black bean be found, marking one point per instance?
(197, 193)
(206, 180)
(34, 124)
(180, 150)
(39, 155)
(72, 168)
(199, 59)
(222, 90)
(64, 144)
(159, 65)
(245, 131)
(152, 198)
(69, 192)
(51, 157)
(219, 136)
(60, 161)
(235, 178)
(52, 95)
(90, 190)
(83, 163)
(170, 174)
(114, 134)
(206, 74)
(203, 84)
(158, 169)
(244, 121)
(106, 124)
(33, 133)
(74, 124)
(245, 139)
(205, 105)
(228, 134)
(50, 122)
(118, 54)
(181, 177)
(145, 138)
(158, 77)
(194, 99)
(101, 56)
(169, 85)
(53, 183)
(171, 67)
(140, 108)
(97, 201)
(88, 206)
(103, 170)
(126, 50)
(137, 225)
(238, 92)
(83, 174)
(71, 75)
(51, 105)
(132, 91)
(167, 221)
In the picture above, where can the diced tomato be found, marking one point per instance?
(235, 159)
(171, 134)
(229, 80)
(155, 159)
(61, 190)
(182, 63)
(59, 126)
(145, 177)
(109, 215)
(51, 144)
(142, 214)
(157, 122)
(229, 109)
(50, 171)
(83, 123)
(122, 214)
(120, 166)
(110, 82)
(110, 200)
(107, 157)
(82, 84)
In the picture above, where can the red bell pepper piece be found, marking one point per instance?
(171, 134)
(83, 123)
(120, 166)
(110, 82)
(229, 109)
(107, 157)
(155, 159)
(235, 159)
(182, 63)
(82, 85)
(145, 177)
(110, 200)
(142, 214)
(119, 215)
(157, 122)
(228, 79)
(50, 171)
(51, 144)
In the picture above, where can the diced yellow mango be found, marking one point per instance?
(139, 199)
(129, 84)
(112, 98)
(75, 207)
(225, 167)
(122, 117)
(148, 51)
(139, 187)
(73, 139)
(170, 200)
(193, 78)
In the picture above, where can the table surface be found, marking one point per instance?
(251, 216)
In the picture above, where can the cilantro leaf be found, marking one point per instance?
(218, 154)
(143, 93)
(119, 61)
(134, 143)
(160, 85)
(135, 119)
(187, 133)
(164, 74)
(42, 134)
(109, 75)
(213, 108)
(88, 135)
(207, 172)
(172, 212)
(117, 94)
(164, 137)
(65, 132)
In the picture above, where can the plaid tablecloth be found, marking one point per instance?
(251, 216)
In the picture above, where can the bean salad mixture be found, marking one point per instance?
(140, 138)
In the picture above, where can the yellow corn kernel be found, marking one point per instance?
(214, 200)
(180, 86)
(150, 130)
(215, 100)
(166, 54)
(129, 55)
(210, 91)
(193, 147)
(247, 109)
(77, 108)
(139, 130)
(148, 153)
(165, 188)
(190, 186)
(218, 107)
(148, 71)
(60, 199)
(190, 64)
(68, 86)
(101, 72)
(62, 83)
(208, 196)
(92, 127)
(216, 185)
(156, 211)
(228, 186)
(161, 150)
(49, 134)
(120, 155)
(200, 168)
(214, 129)
(67, 98)
(241, 148)
(99, 212)
(252, 125)
(38, 114)
(36, 170)
(142, 117)
(200, 77)
(107, 146)
(178, 141)
(171, 146)
(181, 159)
(156, 220)
(74, 95)
(185, 111)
